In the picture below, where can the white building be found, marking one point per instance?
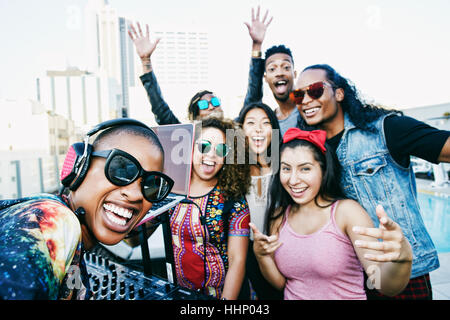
(78, 95)
(32, 149)
(181, 62)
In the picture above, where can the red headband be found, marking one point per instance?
(316, 137)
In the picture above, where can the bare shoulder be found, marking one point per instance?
(276, 224)
(347, 205)
(350, 213)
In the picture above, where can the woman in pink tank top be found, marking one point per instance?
(321, 243)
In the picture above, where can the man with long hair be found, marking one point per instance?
(374, 146)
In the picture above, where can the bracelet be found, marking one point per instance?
(256, 54)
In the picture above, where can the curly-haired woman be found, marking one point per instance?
(210, 231)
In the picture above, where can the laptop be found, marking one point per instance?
(178, 142)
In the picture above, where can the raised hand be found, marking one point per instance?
(144, 47)
(264, 245)
(257, 28)
(394, 247)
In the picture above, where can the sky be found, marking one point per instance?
(396, 52)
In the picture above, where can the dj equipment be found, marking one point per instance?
(110, 280)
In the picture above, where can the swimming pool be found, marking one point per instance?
(436, 216)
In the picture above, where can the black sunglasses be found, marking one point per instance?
(122, 169)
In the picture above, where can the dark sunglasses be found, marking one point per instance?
(204, 104)
(314, 91)
(122, 169)
(204, 146)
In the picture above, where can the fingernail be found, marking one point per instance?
(357, 229)
(358, 243)
(383, 220)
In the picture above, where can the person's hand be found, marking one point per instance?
(144, 47)
(257, 29)
(264, 245)
(394, 247)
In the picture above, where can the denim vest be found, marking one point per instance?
(371, 176)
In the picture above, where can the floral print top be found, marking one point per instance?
(40, 250)
(223, 219)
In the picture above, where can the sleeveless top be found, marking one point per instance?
(319, 266)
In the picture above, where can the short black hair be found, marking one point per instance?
(278, 49)
(130, 129)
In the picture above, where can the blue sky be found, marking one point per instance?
(396, 52)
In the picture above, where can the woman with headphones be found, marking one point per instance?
(202, 105)
(108, 187)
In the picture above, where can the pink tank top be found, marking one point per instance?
(319, 266)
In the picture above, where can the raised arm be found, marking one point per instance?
(257, 31)
(144, 49)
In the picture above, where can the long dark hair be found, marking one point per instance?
(362, 114)
(270, 114)
(330, 187)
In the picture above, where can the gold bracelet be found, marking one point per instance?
(256, 54)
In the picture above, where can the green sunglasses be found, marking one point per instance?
(222, 149)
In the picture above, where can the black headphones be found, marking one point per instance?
(78, 158)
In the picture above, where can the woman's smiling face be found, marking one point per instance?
(300, 174)
(258, 130)
(207, 165)
(113, 211)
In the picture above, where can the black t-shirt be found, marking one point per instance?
(405, 137)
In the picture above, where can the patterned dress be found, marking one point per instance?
(223, 219)
(40, 250)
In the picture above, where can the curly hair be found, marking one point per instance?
(362, 114)
(234, 177)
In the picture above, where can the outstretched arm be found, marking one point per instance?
(387, 262)
(444, 156)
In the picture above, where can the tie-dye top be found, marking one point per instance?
(223, 219)
(40, 250)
